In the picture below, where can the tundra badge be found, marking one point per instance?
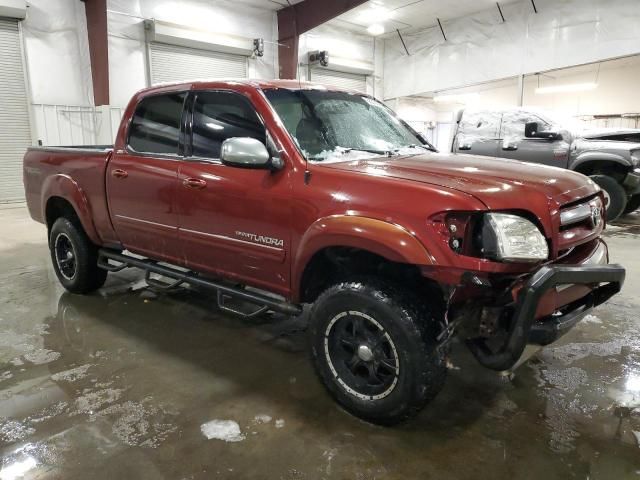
(273, 242)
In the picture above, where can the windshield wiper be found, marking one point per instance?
(344, 150)
(367, 150)
(415, 145)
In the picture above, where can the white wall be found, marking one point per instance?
(127, 50)
(57, 52)
(617, 91)
(616, 94)
(349, 46)
(481, 48)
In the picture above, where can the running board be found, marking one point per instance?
(150, 266)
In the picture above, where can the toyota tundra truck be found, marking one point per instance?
(274, 195)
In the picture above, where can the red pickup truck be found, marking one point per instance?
(279, 194)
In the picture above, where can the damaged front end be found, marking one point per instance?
(535, 309)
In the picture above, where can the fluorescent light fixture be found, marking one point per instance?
(457, 98)
(376, 29)
(570, 87)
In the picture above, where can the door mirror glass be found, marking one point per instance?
(244, 152)
(532, 130)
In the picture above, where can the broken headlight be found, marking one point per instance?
(511, 238)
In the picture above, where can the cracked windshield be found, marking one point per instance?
(340, 126)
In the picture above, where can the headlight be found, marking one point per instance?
(511, 238)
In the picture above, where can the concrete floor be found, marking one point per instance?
(128, 384)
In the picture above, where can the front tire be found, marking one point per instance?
(374, 348)
(75, 258)
(615, 195)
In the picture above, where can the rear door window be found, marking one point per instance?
(220, 115)
(155, 127)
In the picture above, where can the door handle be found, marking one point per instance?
(195, 183)
(119, 173)
(509, 144)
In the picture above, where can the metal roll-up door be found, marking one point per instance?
(172, 63)
(15, 133)
(347, 81)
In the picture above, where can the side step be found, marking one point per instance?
(150, 266)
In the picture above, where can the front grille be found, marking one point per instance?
(580, 222)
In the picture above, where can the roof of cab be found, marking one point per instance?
(261, 84)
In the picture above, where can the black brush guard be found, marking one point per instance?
(524, 329)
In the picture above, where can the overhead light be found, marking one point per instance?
(570, 87)
(457, 98)
(375, 13)
(376, 29)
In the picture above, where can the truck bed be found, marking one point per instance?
(76, 172)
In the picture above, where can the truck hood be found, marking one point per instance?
(498, 183)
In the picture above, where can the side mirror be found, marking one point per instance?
(532, 130)
(245, 152)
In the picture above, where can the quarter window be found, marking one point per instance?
(218, 116)
(155, 127)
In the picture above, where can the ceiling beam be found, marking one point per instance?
(297, 19)
(96, 13)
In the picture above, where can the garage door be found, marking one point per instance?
(348, 81)
(15, 134)
(171, 63)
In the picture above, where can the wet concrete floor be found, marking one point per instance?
(131, 384)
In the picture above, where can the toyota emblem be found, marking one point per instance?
(596, 216)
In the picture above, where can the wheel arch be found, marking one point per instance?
(590, 163)
(366, 236)
(62, 196)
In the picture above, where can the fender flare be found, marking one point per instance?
(385, 239)
(65, 187)
(587, 157)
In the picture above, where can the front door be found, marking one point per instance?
(477, 134)
(142, 178)
(514, 145)
(234, 221)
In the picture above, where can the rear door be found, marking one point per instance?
(234, 221)
(478, 134)
(142, 178)
(514, 145)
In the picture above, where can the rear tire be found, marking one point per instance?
(632, 204)
(614, 192)
(374, 348)
(75, 258)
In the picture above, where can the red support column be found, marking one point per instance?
(96, 12)
(297, 19)
(288, 43)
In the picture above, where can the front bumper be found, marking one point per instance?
(599, 281)
(607, 279)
